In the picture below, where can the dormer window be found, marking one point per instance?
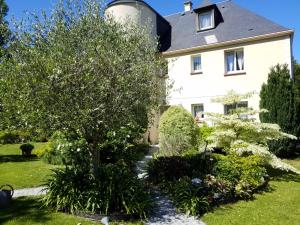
(206, 20)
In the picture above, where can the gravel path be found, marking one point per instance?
(165, 212)
(29, 192)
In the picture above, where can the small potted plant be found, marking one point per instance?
(26, 149)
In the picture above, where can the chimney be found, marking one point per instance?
(188, 6)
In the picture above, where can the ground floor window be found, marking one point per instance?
(198, 112)
(229, 108)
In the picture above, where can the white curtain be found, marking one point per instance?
(205, 20)
(230, 62)
(240, 60)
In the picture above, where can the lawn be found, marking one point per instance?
(29, 211)
(19, 171)
(280, 206)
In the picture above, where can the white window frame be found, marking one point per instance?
(211, 12)
(235, 70)
(192, 64)
(193, 111)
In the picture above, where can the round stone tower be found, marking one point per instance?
(137, 11)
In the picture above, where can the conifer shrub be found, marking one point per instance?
(178, 132)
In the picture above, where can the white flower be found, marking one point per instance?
(196, 181)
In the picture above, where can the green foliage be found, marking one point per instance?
(297, 99)
(115, 189)
(166, 169)
(27, 147)
(76, 71)
(67, 190)
(197, 183)
(239, 132)
(278, 97)
(120, 144)
(205, 131)
(4, 29)
(66, 150)
(14, 137)
(285, 148)
(188, 197)
(245, 173)
(177, 131)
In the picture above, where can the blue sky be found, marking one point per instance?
(285, 13)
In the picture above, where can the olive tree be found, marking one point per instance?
(81, 72)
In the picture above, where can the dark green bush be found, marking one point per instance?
(285, 148)
(115, 189)
(68, 190)
(165, 169)
(27, 147)
(178, 132)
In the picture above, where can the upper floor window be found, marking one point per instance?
(234, 61)
(198, 112)
(206, 20)
(196, 64)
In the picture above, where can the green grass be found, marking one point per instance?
(279, 206)
(29, 211)
(19, 171)
(295, 163)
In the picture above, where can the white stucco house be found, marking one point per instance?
(212, 49)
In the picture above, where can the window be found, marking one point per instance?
(198, 112)
(229, 108)
(234, 61)
(206, 20)
(196, 64)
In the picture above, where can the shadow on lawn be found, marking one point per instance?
(28, 208)
(16, 158)
(278, 175)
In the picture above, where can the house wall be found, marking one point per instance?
(135, 12)
(259, 57)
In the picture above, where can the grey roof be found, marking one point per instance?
(205, 3)
(236, 23)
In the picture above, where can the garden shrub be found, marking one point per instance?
(196, 196)
(115, 189)
(14, 137)
(165, 169)
(121, 144)
(205, 131)
(285, 148)
(246, 173)
(178, 131)
(27, 147)
(197, 183)
(189, 198)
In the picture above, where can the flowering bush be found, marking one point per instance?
(239, 132)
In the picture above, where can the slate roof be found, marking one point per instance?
(237, 23)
